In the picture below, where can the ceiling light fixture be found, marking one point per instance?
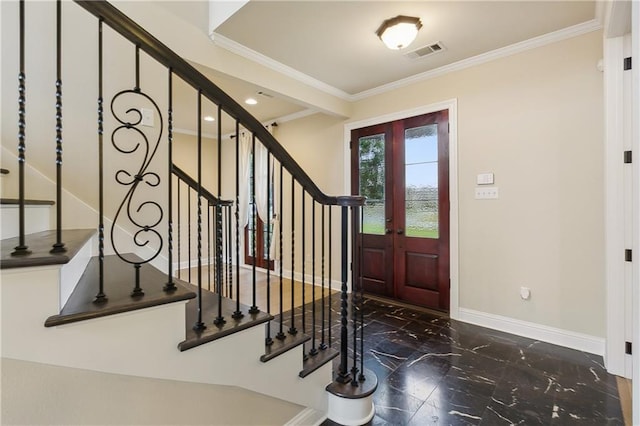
(250, 101)
(399, 32)
(208, 118)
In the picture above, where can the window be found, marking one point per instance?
(263, 235)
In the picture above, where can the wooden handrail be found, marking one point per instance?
(193, 184)
(137, 35)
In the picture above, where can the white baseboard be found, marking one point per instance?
(308, 416)
(557, 336)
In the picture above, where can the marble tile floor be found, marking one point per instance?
(433, 370)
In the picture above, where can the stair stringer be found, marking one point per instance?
(144, 343)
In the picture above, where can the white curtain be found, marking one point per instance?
(262, 178)
(244, 144)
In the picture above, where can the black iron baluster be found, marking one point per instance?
(269, 340)
(304, 261)
(323, 344)
(254, 213)
(218, 248)
(58, 247)
(292, 328)
(238, 313)
(330, 280)
(313, 351)
(229, 253)
(101, 297)
(209, 246)
(354, 302)
(189, 232)
(199, 325)
(170, 285)
(343, 373)
(360, 254)
(179, 226)
(21, 249)
(280, 334)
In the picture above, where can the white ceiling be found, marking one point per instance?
(335, 41)
(333, 44)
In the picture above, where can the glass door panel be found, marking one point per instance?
(372, 182)
(421, 181)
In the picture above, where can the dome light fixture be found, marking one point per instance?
(399, 32)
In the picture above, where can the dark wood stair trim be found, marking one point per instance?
(312, 363)
(210, 313)
(119, 281)
(40, 244)
(280, 346)
(348, 391)
(15, 202)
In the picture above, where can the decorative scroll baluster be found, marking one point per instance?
(313, 351)
(343, 373)
(323, 344)
(254, 214)
(58, 246)
(269, 340)
(199, 325)
(280, 335)
(292, 328)
(170, 285)
(21, 249)
(237, 314)
(133, 180)
(101, 297)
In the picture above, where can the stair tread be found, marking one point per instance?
(209, 314)
(40, 243)
(280, 346)
(118, 283)
(312, 363)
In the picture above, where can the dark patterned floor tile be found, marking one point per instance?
(395, 406)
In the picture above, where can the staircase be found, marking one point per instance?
(135, 267)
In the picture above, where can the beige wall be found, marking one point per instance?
(535, 120)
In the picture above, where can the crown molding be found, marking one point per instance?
(286, 70)
(523, 46)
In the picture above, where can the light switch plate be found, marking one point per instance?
(487, 193)
(147, 117)
(485, 179)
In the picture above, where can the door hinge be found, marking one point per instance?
(628, 256)
(350, 144)
(627, 348)
(448, 127)
(627, 64)
(628, 157)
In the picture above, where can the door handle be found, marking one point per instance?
(388, 231)
(400, 231)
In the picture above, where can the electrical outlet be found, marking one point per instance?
(147, 117)
(487, 193)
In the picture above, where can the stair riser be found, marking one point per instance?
(71, 272)
(144, 343)
(37, 219)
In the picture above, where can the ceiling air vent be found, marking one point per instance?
(427, 50)
(265, 94)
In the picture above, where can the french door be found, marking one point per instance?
(402, 167)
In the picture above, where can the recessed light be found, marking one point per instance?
(250, 101)
(209, 118)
